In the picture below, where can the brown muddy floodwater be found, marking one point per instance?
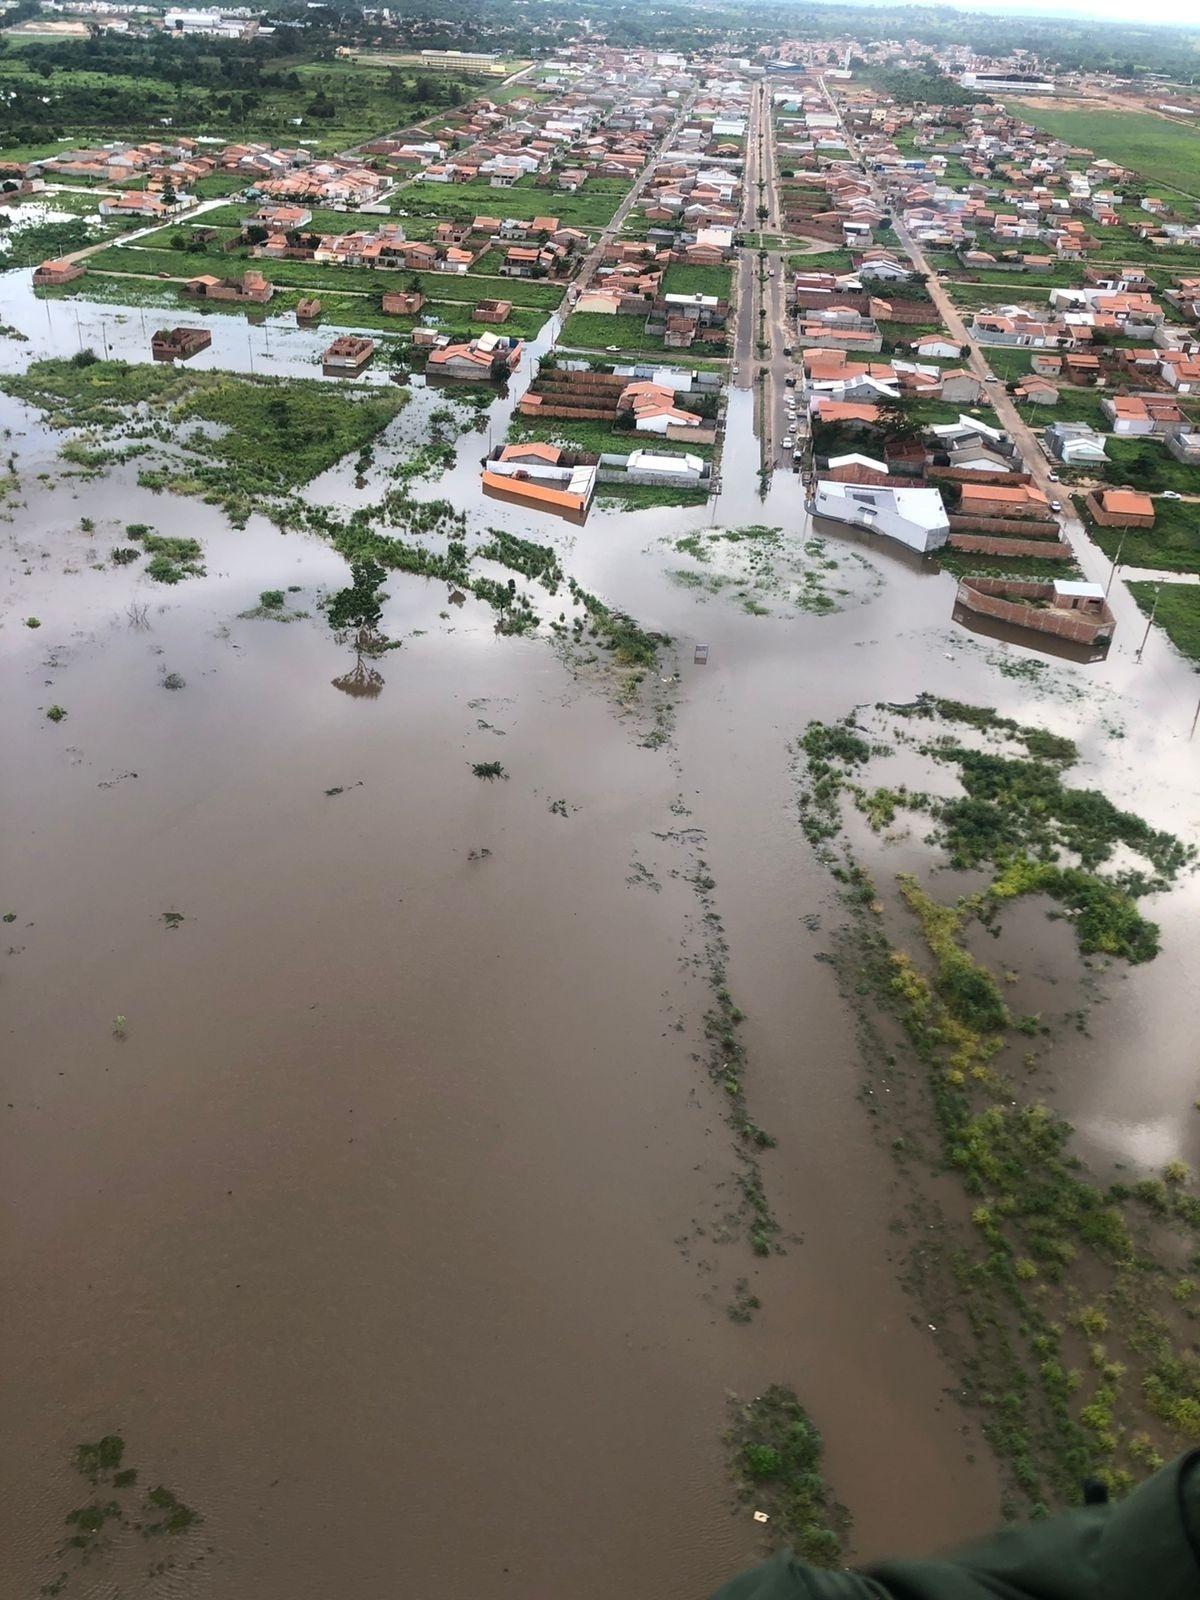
(391, 1235)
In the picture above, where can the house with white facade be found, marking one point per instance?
(915, 517)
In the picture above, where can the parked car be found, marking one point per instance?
(1053, 476)
(1171, 494)
(789, 382)
(1056, 505)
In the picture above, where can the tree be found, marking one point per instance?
(896, 421)
(360, 605)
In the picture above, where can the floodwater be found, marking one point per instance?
(391, 1233)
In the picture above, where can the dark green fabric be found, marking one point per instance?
(1146, 1547)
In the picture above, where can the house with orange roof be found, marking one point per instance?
(1120, 508)
(1180, 371)
(490, 356)
(826, 410)
(993, 500)
(50, 274)
(1035, 391)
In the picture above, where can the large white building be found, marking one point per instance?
(1001, 82)
(915, 517)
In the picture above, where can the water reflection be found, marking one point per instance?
(364, 681)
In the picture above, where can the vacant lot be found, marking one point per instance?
(592, 207)
(592, 330)
(1178, 613)
(681, 279)
(1171, 545)
(1160, 151)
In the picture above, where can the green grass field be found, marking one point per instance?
(1146, 464)
(682, 279)
(1008, 362)
(1177, 613)
(1171, 545)
(592, 207)
(1160, 151)
(1061, 274)
(592, 330)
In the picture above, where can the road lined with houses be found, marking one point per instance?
(593, 258)
(763, 337)
(1094, 564)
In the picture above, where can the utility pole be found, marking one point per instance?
(1116, 562)
(1149, 624)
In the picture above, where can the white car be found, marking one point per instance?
(1171, 494)
(1056, 505)
(788, 441)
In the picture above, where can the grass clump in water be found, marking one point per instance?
(176, 1517)
(172, 558)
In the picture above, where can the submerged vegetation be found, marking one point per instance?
(1058, 1294)
(768, 572)
(116, 1513)
(775, 1459)
(254, 439)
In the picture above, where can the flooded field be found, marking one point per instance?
(364, 1169)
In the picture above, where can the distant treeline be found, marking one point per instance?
(534, 27)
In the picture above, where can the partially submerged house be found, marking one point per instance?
(349, 353)
(50, 274)
(177, 344)
(542, 477)
(1066, 610)
(914, 517)
(490, 356)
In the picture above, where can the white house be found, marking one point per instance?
(1075, 442)
(937, 346)
(683, 467)
(715, 238)
(883, 269)
(915, 517)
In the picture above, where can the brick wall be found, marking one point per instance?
(998, 598)
(1009, 527)
(979, 544)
